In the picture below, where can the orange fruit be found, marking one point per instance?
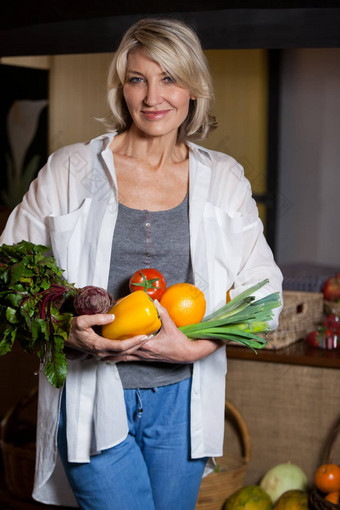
(292, 500)
(185, 303)
(250, 497)
(333, 497)
(327, 478)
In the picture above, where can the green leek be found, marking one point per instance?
(244, 320)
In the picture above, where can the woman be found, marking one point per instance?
(138, 419)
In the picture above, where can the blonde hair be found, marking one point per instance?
(177, 49)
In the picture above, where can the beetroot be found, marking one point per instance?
(36, 306)
(90, 300)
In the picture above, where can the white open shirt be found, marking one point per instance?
(72, 207)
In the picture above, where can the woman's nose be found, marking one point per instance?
(153, 94)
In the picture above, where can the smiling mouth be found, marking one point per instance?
(155, 114)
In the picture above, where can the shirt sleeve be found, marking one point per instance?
(257, 262)
(29, 220)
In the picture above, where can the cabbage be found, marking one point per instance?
(282, 478)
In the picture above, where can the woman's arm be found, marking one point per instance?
(169, 345)
(256, 261)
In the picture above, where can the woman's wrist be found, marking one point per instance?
(75, 354)
(204, 347)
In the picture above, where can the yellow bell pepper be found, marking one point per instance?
(135, 314)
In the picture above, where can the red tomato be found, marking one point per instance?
(332, 321)
(312, 339)
(323, 337)
(150, 280)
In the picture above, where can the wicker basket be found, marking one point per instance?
(218, 486)
(18, 446)
(316, 499)
(301, 312)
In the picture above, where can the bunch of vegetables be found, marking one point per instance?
(283, 487)
(37, 305)
(243, 319)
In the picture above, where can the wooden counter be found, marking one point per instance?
(297, 353)
(290, 400)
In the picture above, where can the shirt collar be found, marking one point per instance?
(106, 138)
(201, 153)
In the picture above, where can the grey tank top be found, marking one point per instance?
(144, 239)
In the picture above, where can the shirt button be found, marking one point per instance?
(148, 225)
(148, 240)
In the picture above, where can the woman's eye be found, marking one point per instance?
(168, 79)
(135, 79)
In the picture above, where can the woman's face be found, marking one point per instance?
(157, 104)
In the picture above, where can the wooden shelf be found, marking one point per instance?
(295, 354)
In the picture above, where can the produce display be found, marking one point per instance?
(327, 481)
(327, 335)
(37, 306)
(285, 487)
(331, 294)
(331, 288)
(282, 478)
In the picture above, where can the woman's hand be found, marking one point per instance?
(84, 342)
(170, 345)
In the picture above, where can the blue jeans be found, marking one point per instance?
(151, 469)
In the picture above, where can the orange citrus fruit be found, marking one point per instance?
(250, 497)
(292, 500)
(185, 303)
(327, 478)
(333, 497)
